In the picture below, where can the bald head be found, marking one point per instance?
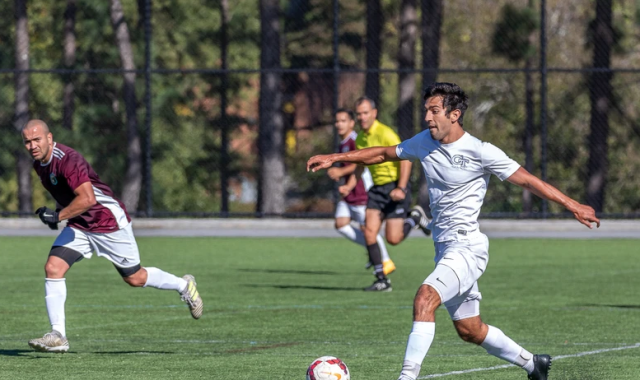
(38, 140)
(35, 123)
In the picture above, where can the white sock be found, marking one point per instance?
(159, 279)
(55, 294)
(418, 345)
(383, 248)
(355, 235)
(499, 345)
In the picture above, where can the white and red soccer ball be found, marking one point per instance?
(328, 368)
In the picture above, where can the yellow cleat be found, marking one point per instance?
(388, 267)
(191, 296)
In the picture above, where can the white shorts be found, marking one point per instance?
(459, 265)
(119, 247)
(355, 212)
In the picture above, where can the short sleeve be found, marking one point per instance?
(75, 170)
(496, 162)
(410, 149)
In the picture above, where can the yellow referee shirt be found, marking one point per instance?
(380, 135)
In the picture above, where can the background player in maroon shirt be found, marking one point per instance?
(97, 222)
(354, 192)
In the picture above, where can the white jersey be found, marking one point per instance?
(457, 175)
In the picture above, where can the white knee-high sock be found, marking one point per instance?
(355, 235)
(383, 248)
(55, 295)
(418, 345)
(499, 345)
(159, 279)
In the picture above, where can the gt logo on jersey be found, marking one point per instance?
(459, 160)
(53, 179)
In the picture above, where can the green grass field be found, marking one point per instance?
(273, 305)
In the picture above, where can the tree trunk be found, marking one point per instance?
(374, 49)
(600, 96)
(432, 13)
(68, 105)
(23, 162)
(271, 196)
(133, 176)
(224, 121)
(407, 60)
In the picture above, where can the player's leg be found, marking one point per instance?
(373, 222)
(358, 214)
(343, 225)
(400, 222)
(441, 284)
(120, 247)
(65, 252)
(473, 330)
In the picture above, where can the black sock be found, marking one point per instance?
(408, 226)
(376, 259)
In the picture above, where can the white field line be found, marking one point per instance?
(559, 357)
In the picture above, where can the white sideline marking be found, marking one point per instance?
(559, 357)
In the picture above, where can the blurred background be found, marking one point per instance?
(201, 108)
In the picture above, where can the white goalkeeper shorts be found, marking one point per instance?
(459, 265)
(354, 212)
(119, 246)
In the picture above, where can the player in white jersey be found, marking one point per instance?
(457, 167)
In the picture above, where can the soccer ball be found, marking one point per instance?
(328, 368)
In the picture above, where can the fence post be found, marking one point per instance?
(336, 85)
(147, 102)
(543, 100)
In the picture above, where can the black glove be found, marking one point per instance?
(48, 217)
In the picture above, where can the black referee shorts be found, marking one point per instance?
(379, 199)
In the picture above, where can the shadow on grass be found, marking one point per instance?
(290, 271)
(312, 287)
(132, 352)
(612, 306)
(15, 352)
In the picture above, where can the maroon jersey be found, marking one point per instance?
(67, 170)
(357, 196)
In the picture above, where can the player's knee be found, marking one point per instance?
(134, 280)
(135, 276)
(470, 334)
(370, 235)
(54, 270)
(339, 224)
(425, 303)
(394, 240)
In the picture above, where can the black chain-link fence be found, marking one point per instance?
(198, 108)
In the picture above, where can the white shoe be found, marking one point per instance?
(191, 296)
(420, 217)
(51, 342)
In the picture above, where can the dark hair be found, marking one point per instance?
(363, 99)
(453, 98)
(352, 116)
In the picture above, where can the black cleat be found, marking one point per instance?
(382, 285)
(541, 367)
(420, 218)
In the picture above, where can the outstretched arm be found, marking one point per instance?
(367, 156)
(583, 213)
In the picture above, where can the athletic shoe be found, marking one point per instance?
(388, 267)
(191, 296)
(51, 342)
(382, 285)
(541, 367)
(420, 217)
(405, 377)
